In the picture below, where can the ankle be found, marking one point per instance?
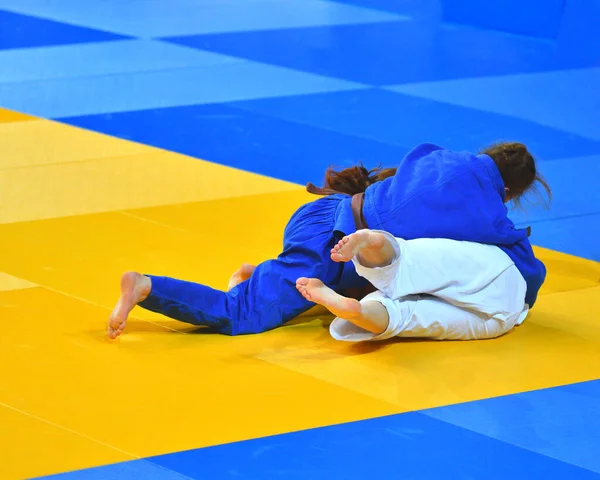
(144, 287)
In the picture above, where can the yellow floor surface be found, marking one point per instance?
(78, 208)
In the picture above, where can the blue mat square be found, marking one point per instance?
(407, 121)
(168, 88)
(576, 235)
(407, 446)
(392, 52)
(562, 175)
(418, 8)
(566, 100)
(243, 139)
(105, 58)
(21, 31)
(562, 422)
(160, 18)
(134, 470)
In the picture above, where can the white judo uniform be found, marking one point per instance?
(444, 290)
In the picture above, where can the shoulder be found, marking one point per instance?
(441, 155)
(423, 150)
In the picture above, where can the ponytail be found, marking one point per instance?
(519, 173)
(351, 180)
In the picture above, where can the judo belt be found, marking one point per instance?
(357, 203)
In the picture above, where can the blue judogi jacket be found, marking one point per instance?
(438, 193)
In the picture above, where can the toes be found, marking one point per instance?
(303, 292)
(114, 324)
(301, 284)
(116, 330)
(115, 327)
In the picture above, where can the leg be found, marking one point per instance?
(468, 275)
(436, 319)
(370, 316)
(245, 272)
(266, 300)
(423, 317)
(135, 288)
(372, 249)
(241, 275)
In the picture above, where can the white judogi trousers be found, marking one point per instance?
(444, 290)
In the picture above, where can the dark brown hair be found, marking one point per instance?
(518, 171)
(355, 179)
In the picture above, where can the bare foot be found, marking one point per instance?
(315, 291)
(348, 247)
(134, 289)
(241, 275)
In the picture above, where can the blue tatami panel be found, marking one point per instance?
(160, 18)
(22, 31)
(138, 91)
(243, 139)
(407, 446)
(103, 58)
(406, 120)
(562, 422)
(394, 52)
(567, 100)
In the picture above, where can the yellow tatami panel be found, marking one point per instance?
(8, 283)
(80, 208)
(44, 142)
(566, 272)
(68, 171)
(154, 391)
(8, 116)
(84, 256)
(92, 186)
(32, 447)
(558, 344)
(173, 390)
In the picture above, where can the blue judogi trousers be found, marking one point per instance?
(269, 298)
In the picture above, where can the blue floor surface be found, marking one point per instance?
(287, 88)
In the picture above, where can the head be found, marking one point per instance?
(517, 168)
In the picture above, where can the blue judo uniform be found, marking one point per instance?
(436, 193)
